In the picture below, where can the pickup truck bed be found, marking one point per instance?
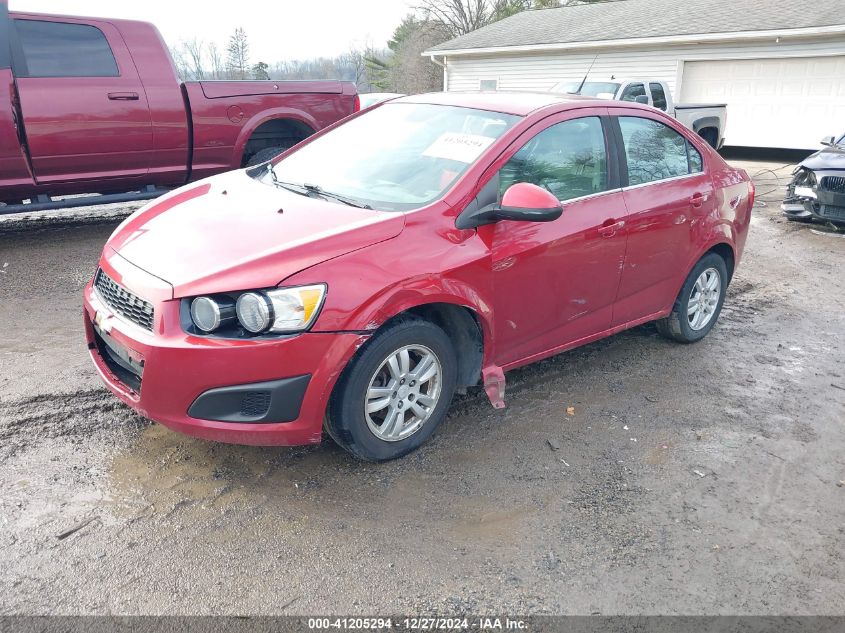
(93, 105)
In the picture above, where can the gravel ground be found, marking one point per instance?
(702, 479)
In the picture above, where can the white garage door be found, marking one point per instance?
(789, 103)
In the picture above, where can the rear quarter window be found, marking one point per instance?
(61, 49)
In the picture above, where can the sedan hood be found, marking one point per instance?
(828, 158)
(232, 232)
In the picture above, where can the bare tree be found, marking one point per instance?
(237, 54)
(216, 62)
(194, 50)
(457, 16)
(354, 60)
(178, 55)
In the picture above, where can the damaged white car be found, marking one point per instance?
(817, 190)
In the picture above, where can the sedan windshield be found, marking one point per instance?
(600, 89)
(397, 157)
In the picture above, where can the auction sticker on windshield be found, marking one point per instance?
(464, 148)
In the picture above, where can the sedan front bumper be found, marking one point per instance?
(269, 392)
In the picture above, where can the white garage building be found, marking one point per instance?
(778, 65)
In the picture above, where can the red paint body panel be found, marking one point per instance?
(611, 261)
(173, 357)
(81, 139)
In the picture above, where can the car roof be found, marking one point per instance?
(518, 103)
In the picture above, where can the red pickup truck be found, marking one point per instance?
(95, 106)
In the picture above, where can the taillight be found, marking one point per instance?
(752, 192)
(356, 104)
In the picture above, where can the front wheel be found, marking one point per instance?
(699, 303)
(395, 392)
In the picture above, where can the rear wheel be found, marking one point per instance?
(395, 392)
(711, 135)
(699, 302)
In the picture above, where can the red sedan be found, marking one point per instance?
(354, 283)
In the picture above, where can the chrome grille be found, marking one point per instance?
(129, 306)
(836, 184)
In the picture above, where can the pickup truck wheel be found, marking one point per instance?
(711, 136)
(395, 391)
(263, 155)
(699, 302)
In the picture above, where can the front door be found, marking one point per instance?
(555, 283)
(84, 108)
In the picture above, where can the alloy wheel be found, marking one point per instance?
(704, 299)
(403, 393)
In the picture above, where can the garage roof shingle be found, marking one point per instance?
(635, 19)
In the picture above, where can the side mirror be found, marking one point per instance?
(642, 99)
(522, 202)
(829, 141)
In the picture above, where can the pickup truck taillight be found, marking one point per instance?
(356, 105)
(752, 192)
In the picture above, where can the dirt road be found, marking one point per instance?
(691, 479)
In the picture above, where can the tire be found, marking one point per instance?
(369, 380)
(263, 155)
(711, 136)
(681, 325)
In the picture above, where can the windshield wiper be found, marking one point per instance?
(352, 202)
(308, 190)
(290, 186)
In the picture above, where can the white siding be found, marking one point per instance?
(541, 72)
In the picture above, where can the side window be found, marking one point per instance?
(59, 49)
(654, 150)
(658, 96)
(4, 38)
(632, 92)
(569, 159)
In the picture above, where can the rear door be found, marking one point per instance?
(667, 192)
(85, 111)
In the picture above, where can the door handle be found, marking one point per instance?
(698, 199)
(123, 96)
(610, 227)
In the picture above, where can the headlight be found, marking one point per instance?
(281, 310)
(208, 314)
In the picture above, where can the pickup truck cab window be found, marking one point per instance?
(569, 159)
(658, 96)
(5, 61)
(632, 91)
(60, 49)
(654, 150)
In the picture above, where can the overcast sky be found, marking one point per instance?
(277, 29)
